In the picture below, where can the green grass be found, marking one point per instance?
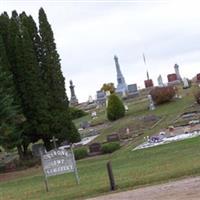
(131, 169)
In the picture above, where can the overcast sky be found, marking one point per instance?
(89, 33)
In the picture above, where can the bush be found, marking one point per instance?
(197, 96)
(80, 153)
(162, 94)
(110, 147)
(115, 108)
(76, 113)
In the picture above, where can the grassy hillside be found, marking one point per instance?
(131, 168)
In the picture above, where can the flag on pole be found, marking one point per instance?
(144, 58)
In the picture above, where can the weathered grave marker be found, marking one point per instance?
(113, 137)
(95, 148)
(58, 161)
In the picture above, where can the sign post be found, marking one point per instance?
(74, 164)
(58, 161)
(45, 178)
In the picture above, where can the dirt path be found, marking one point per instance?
(186, 189)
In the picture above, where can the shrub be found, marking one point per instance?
(110, 147)
(80, 153)
(197, 96)
(115, 108)
(76, 113)
(162, 94)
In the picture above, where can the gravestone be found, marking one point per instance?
(185, 83)
(90, 100)
(148, 83)
(101, 97)
(113, 137)
(160, 81)
(132, 90)
(95, 148)
(151, 103)
(37, 148)
(172, 79)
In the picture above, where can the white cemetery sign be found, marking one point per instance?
(58, 161)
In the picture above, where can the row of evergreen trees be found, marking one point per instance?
(33, 101)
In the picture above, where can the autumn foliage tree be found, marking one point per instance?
(162, 94)
(108, 87)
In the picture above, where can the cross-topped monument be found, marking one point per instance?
(73, 100)
(54, 140)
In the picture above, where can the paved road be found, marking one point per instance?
(186, 189)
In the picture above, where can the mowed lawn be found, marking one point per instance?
(131, 169)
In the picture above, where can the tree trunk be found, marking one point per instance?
(20, 152)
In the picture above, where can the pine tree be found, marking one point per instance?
(13, 29)
(10, 135)
(61, 124)
(27, 77)
(4, 24)
(29, 23)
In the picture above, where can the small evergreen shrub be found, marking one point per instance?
(115, 108)
(110, 147)
(162, 94)
(76, 113)
(80, 153)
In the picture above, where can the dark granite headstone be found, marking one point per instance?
(113, 137)
(172, 77)
(148, 83)
(95, 147)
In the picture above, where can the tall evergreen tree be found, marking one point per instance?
(32, 29)
(61, 124)
(10, 135)
(4, 24)
(29, 90)
(13, 29)
(11, 117)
